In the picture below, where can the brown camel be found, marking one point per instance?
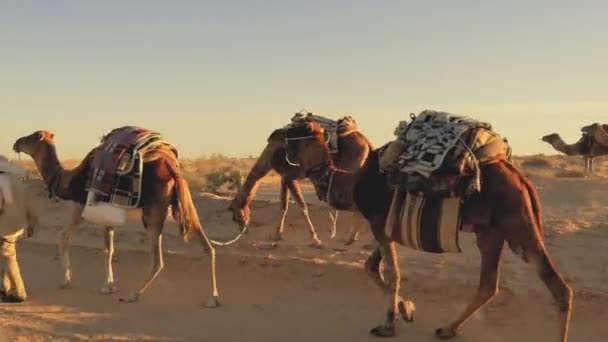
(352, 153)
(507, 209)
(586, 146)
(162, 187)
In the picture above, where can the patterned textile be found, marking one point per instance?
(430, 137)
(429, 224)
(118, 164)
(440, 154)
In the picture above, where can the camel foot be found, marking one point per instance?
(383, 331)
(350, 241)
(212, 303)
(277, 236)
(12, 299)
(445, 333)
(316, 243)
(130, 299)
(332, 234)
(66, 284)
(108, 288)
(407, 309)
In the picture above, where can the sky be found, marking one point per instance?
(219, 76)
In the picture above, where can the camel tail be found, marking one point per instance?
(186, 214)
(534, 198)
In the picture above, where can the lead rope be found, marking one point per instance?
(329, 187)
(229, 242)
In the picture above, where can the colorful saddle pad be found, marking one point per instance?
(118, 164)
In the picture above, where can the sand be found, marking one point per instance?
(296, 293)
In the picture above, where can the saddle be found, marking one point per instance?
(597, 132)
(434, 166)
(439, 154)
(117, 166)
(333, 128)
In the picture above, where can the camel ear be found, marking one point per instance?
(40, 136)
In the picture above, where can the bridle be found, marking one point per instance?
(306, 137)
(314, 171)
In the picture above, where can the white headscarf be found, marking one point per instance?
(6, 193)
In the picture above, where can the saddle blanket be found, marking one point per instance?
(118, 164)
(429, 138)
(429, 224)
(334, 129)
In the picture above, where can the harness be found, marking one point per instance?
(318, 172)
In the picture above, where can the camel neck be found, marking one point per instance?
(50, 168)
(319, 171)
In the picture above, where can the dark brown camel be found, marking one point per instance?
(507, 209)
(586, 146)
(352, 153)
(162, 187)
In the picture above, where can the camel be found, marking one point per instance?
(506, 209)
(352, 153)
(586, 146)
(162, 187)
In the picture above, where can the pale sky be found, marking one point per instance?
(219, 76)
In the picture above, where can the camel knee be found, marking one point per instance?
(158, 266)
(565, 299)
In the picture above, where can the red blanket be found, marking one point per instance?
(117, 153)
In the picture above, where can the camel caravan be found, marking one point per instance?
(442, 175)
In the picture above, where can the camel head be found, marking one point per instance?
(33, 143)
(241, 214)
(551, 138)
(305, 145)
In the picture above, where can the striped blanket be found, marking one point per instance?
(429, 224)
(333, 128)
(118, 164)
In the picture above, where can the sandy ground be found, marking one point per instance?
(296, 293)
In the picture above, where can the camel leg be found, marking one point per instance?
(5, 281)
(372, 266)
(75, 223)
(284, 197)
(535, 253)
(334, 222)
(204, 240)
(490, 242)
(562, 293)
(389, 254)
(154, 225)
(357, 222)
(590, 165)
(109, 286)
(297, 196)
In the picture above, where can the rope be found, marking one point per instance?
(293, 139)
(329, 187)
(229, 242)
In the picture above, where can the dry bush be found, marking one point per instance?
(212, 172)
(538, 161)
(569, 174)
